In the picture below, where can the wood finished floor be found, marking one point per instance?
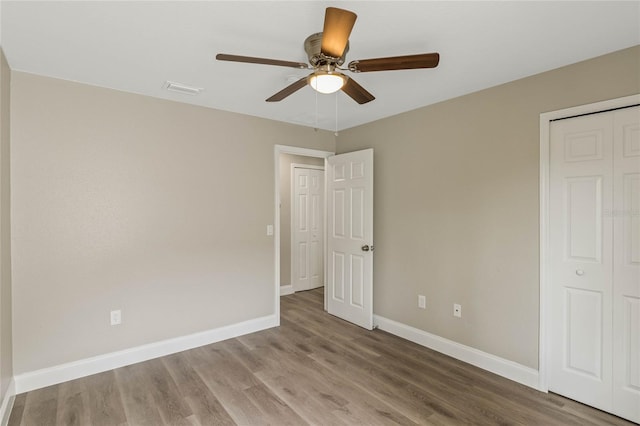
(314, 369)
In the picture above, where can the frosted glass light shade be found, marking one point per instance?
(325, 82)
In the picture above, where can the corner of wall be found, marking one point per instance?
(7, 385)
(6, 404)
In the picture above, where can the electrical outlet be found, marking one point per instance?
(116, 317)
(269, 230)
(457, 310)
(422, 302)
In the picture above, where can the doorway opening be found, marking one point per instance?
(301, 223)
(286, 160)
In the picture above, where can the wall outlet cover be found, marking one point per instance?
(457, 310)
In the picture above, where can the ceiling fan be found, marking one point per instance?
(327, 51)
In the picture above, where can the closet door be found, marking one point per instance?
(595, 260)
(626, 263)
(581, 189)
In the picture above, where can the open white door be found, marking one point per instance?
(350, 237)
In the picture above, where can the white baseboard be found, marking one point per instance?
(500, 366)
(286, 289)
(7, 403)
(73, 370)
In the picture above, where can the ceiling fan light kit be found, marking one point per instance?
(327, 81)
(326, 52)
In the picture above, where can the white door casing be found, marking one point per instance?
(594, 260)
(350, 237)
(307, 233)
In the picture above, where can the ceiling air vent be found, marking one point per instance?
(182, 88)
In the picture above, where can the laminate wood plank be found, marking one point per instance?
(369, 413)
(72, 407)
(104, 399)
(41, 407)
(297, 395)
(139, 405)
(206, 407)
(271, 360)
(244, 354)
(236, 374)
(275, 410)
(236, 403)
(169, 401)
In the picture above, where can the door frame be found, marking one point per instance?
(293, 213)
(277, 150)
(545, 284)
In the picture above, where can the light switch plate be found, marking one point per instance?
(269, 230)
(422, 302)
(116, 317)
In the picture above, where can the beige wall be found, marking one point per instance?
(285, 210)
(456, 204)
(6, 352)
(127, 202)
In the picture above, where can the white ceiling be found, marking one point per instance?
(137, 46)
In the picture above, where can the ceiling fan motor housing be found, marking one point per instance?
(313, 45)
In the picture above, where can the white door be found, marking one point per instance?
(307, 248)
(581, 259)
(626, 263)
(350, 237)
(594, 281)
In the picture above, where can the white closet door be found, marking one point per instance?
(595, 260)
(626, 263)
(581, 259)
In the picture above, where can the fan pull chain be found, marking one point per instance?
(336, 132)
(316, 129)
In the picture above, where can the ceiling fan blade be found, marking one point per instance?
(290, 89)
(357, 92)
(338, 24)
(263, 61)
(408, 62)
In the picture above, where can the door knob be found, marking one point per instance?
(579, 272)
(365, 247)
